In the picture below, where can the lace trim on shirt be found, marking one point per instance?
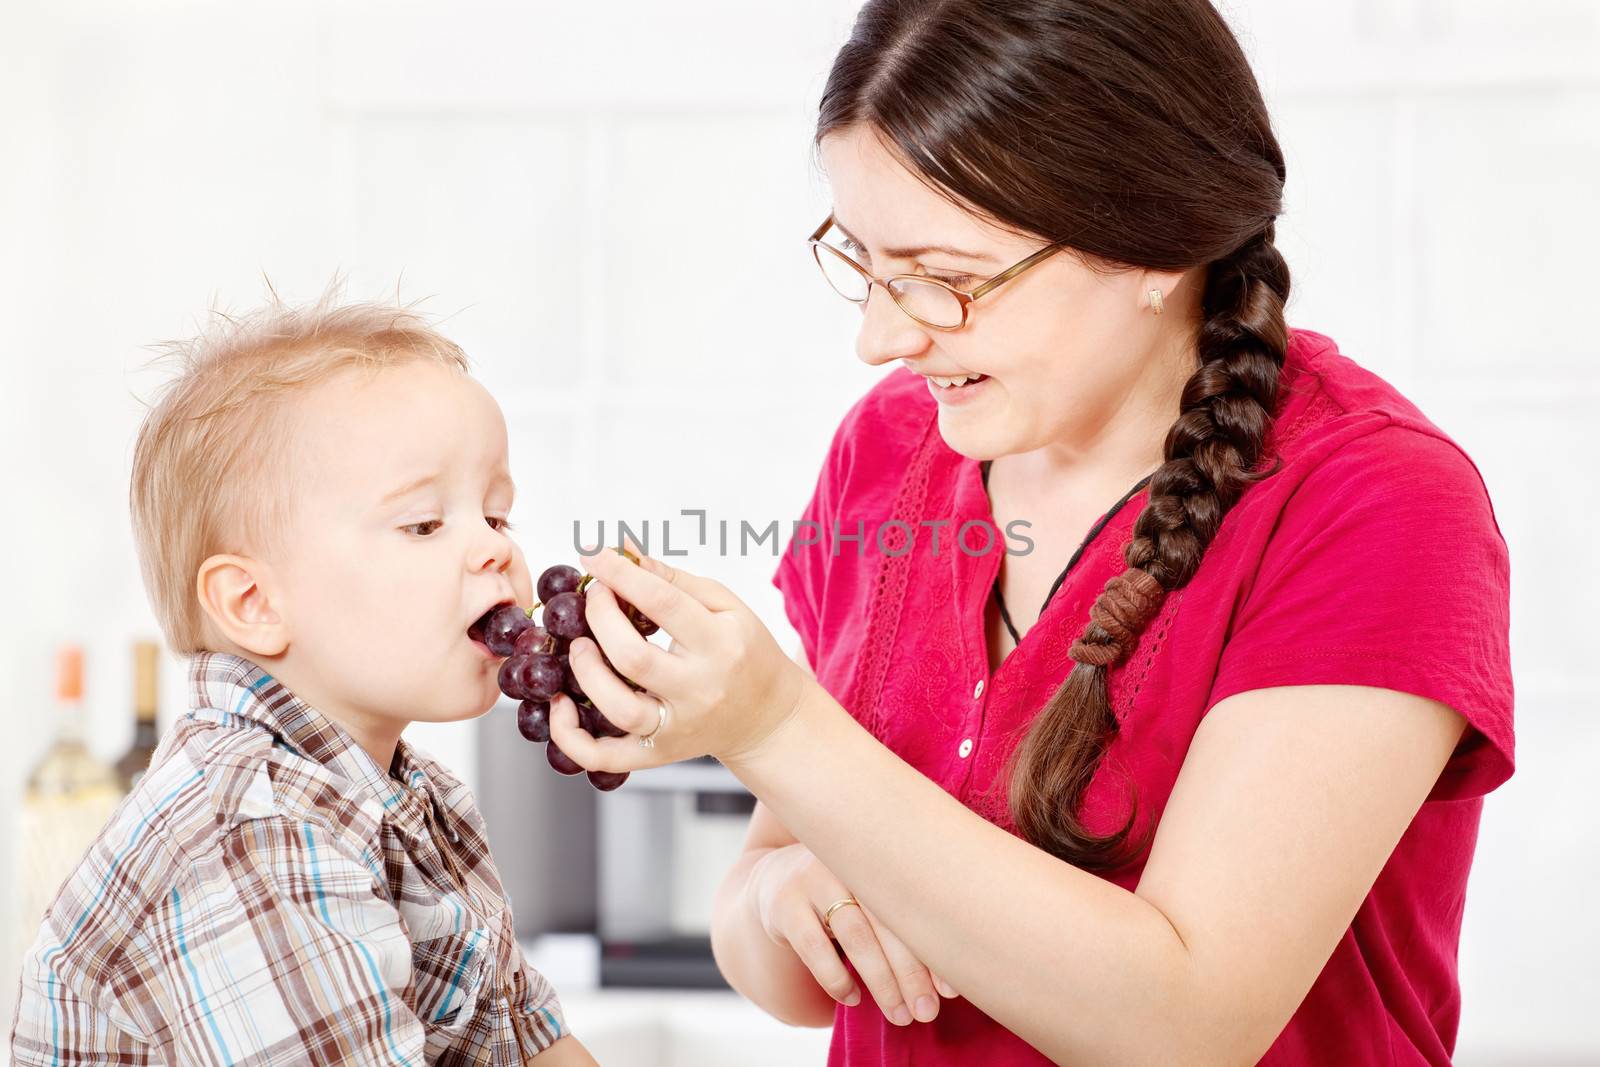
(889, 592)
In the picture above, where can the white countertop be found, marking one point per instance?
(666, 1027)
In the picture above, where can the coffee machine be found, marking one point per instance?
(638, 867)
(666, 839)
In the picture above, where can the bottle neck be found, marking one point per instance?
(144, 731)
(70, 717)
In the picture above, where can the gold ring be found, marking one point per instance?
(835, 906)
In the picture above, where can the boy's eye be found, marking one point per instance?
(503, 525)
(423, 529)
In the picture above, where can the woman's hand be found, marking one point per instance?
(725, 683)
(792, 890)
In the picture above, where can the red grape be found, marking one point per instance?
(502, 628)
(606, 781)
(557, 580)
(533, 639)
(536, 667)
(533, 720)
(513, 677)
(595, 722)
(563, 763)
(543, 678)
(564, 616)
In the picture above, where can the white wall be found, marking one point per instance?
(610, 208)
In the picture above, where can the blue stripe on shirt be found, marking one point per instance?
(194, 975)
(138, 832)
(455, 979)
(377, 978)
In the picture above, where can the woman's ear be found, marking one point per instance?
(241, 598)
(1182, 293)
(1168, 283)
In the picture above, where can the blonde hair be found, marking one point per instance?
(215, 434)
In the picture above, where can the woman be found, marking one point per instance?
(1208, 794)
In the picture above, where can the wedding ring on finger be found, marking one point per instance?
(649, 739)
(835, 906)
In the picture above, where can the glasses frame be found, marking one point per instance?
(817, 244)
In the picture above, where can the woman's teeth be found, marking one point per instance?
(950, 383)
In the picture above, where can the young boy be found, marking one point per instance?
(319, 501)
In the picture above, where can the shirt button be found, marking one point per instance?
(977, 690)
(966, 748)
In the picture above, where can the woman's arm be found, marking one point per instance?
(771, 975)
(772, 947)
(1287, 806)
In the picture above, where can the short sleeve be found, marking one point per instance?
(1386, 568)
(532, 1008)
(801, 576)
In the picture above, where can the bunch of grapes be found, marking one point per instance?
(536, 666)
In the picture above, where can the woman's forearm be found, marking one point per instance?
(1078, 966)
(770, 975)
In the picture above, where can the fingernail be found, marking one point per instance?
(926, 1009)
(902, 1017)
(946, 988)
(853, 999)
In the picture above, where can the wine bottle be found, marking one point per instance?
(131, 766)
(68, 798)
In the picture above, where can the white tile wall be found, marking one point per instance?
(1500, 284)
(608, 205)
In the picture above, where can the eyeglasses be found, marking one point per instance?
(935, 304)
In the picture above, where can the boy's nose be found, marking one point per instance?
(494, 552)
(496, 560)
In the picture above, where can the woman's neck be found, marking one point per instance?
(1129, 439)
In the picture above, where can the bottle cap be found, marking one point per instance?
(69, 673)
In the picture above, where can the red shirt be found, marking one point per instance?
(1372, 557)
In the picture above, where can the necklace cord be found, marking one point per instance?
(999, 598)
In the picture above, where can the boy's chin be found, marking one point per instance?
(463, 708)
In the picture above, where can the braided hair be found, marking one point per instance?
(1133, 132)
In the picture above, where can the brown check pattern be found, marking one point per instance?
(268, 895)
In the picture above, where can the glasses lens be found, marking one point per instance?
(933, 304)
(845, 279)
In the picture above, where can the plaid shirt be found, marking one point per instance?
(268, 895)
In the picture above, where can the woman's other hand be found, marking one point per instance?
(793, 890)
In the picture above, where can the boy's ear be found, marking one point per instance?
(236, 593)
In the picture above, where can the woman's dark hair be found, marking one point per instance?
(1133, 132)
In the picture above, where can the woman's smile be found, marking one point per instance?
(960, 389)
